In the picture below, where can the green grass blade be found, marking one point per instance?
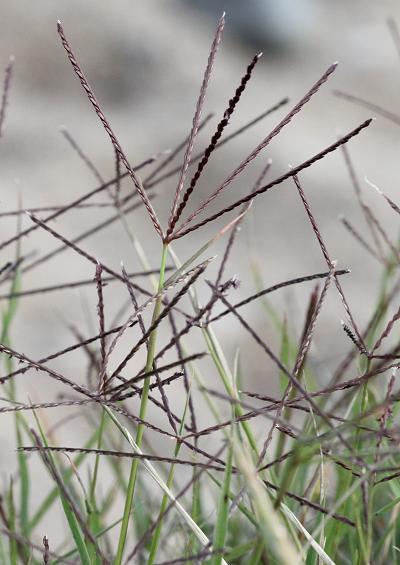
(13, 547)
(221, 525)
(54, 493)
(157, 534)
(70, 516)
(242, 550)
(24, 479)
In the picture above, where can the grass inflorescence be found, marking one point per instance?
(318, 484)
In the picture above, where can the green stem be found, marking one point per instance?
(142, 415)
(92, 494)
(94, 523)
(226, 380)
(221, 526)
(156, 538)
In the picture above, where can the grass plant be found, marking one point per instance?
(318, 484)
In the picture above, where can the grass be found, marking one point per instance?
(310, 475)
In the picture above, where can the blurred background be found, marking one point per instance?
(145, 62)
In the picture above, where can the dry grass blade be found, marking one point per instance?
(197, 116)
(279, 180)
(285, 121)
(135, 178)
(271, 526)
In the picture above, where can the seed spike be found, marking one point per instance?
(90, 94)
(261, 146)
(197, 116)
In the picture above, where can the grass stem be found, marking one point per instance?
(142, 415)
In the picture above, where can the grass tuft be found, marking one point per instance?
(306, 471)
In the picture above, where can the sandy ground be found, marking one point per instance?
(145, 61)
